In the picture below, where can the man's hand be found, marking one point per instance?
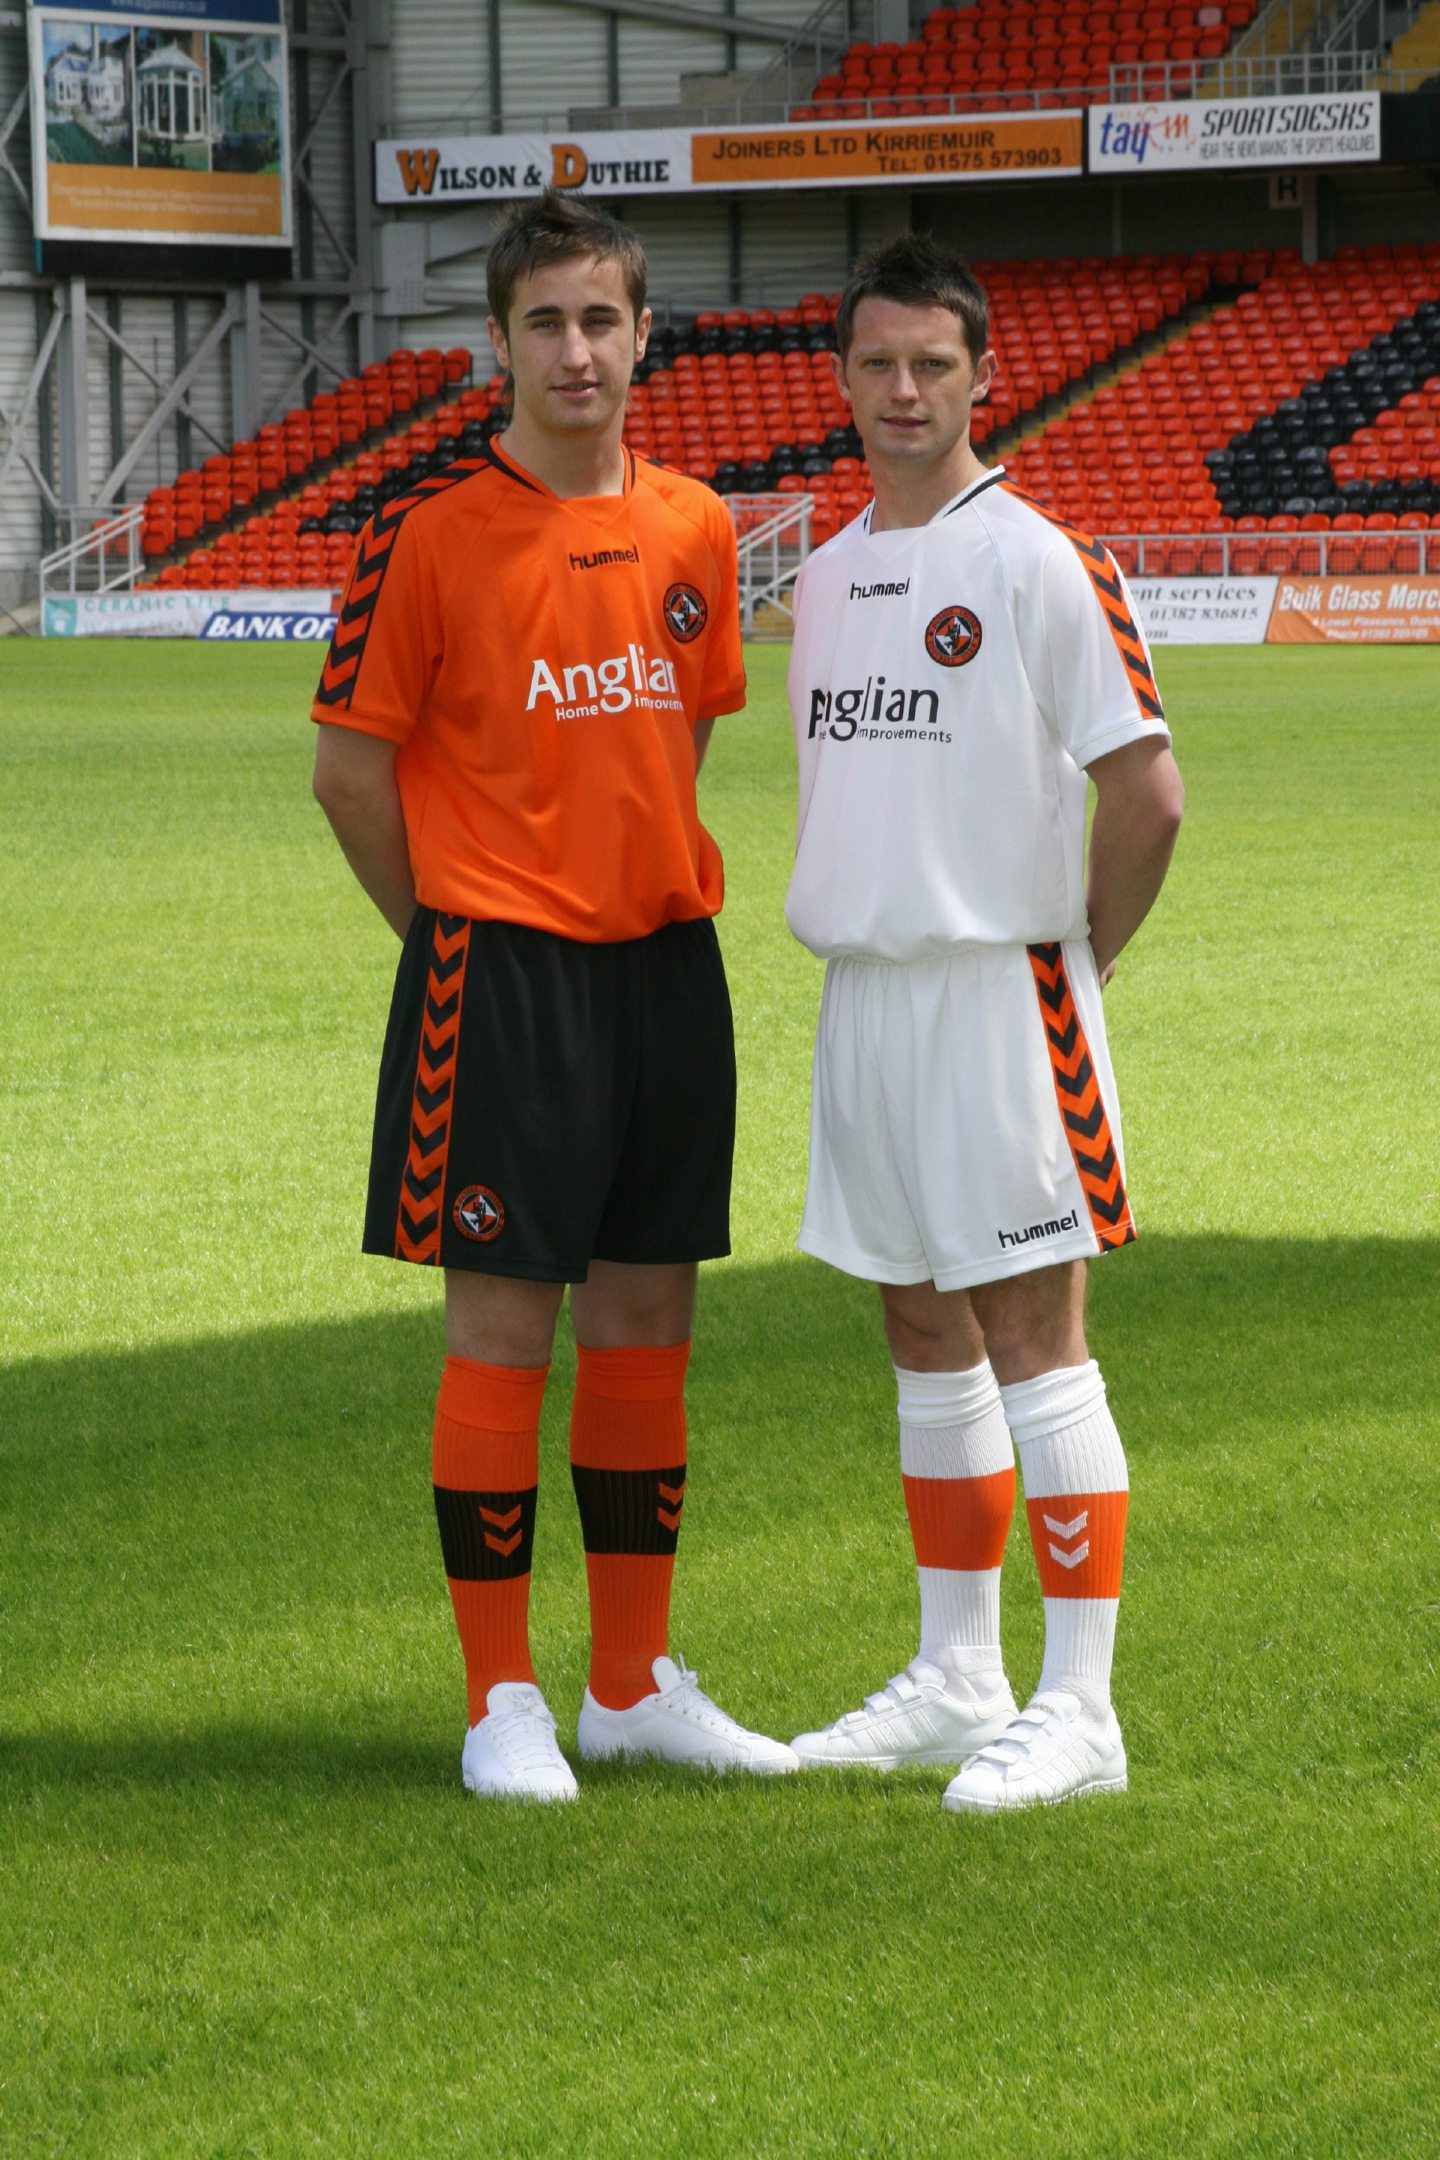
(1139, 798)
(355, 787)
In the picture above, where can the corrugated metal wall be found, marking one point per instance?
(19, 336)
(163, 327)
(551, 58)
(436, 67)
(439, 67)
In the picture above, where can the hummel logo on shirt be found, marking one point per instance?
(881, 591)
(603, 557)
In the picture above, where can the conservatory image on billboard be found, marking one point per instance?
(172, 101)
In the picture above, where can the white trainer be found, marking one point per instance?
(1056, 1749)
(921, 1716)
(679, 1724)
(512, 1753)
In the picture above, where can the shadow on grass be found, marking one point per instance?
(269, 1487)
(1342, 1316)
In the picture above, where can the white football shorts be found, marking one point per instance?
(964, 1124)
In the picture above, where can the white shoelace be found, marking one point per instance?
(526, 1736)
(688, 1700)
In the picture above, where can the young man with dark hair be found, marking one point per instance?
(530, 656)
(962, 660)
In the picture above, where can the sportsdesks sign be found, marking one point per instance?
(679, 161)
(1234, 134)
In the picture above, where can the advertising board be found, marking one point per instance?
(1356, 611)
(1203, 611)
(1235, 134)
(681, 161)
(248, 617)
(166, 126)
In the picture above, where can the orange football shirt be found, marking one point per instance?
(541, 665)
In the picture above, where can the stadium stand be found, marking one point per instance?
(1290, 410)
(1000, 55)
(223, 524)
(1307, 401)
(1415, 52)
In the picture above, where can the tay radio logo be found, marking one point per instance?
(1138, 133)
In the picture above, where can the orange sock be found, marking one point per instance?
(485, 1467)
(627, 1458)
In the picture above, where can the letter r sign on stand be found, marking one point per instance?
(1294, 191)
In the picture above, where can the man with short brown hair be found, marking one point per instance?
(962, 660)
(530, 656)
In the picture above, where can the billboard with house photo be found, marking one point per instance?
(164, 127)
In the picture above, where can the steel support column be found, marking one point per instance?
(73, 361)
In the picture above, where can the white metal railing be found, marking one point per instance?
(1305, 74)
(834, 26)
(104, 554)
(772, 534)
(1259, 554)
(1245, 75)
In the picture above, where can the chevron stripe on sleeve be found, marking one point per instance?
(1109, 588)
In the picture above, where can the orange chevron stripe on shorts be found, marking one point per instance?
(1082, 1109)
(422, 1187)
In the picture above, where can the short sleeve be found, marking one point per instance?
(387, 643)
(722, 687)
(1095, 664)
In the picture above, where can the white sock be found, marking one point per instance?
(959, 1471)
(1076, 1496)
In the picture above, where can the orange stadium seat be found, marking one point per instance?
(1007, 54)
(1303, 415)
(309, 535)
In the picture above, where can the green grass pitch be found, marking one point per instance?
(247, 1910)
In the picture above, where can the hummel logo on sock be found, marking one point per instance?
(1069, 1531)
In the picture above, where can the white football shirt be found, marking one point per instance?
(949, 683)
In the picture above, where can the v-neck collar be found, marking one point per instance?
(518, 473)
(956, 502)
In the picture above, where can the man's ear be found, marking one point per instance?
(837, 369)
(987, 367)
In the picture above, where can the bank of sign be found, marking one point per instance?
(252, 615)
(680, 161)
(1230, 134)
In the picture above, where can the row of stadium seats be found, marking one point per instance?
(749, 420)
(1307, 403)
(1003, 52)
(1248, 413)
(308, 539)
(286, 451)
(1335, 554)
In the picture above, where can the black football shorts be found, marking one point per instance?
(544, 1103)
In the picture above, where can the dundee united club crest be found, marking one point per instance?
(685, 612)
(479, 1214)
(953, 636)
